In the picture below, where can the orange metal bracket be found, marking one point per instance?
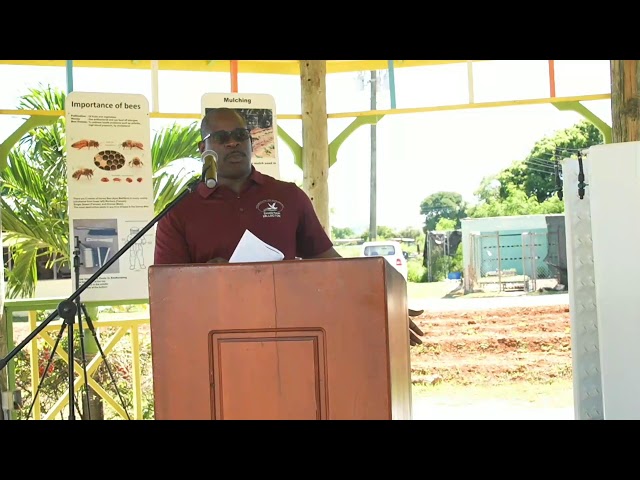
(552, 79)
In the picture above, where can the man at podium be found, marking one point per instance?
(208, 224)
(283, 340)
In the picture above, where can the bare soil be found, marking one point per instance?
(528, 345)
(490, 347)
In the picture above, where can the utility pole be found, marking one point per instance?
(373, 227)
(625, 102)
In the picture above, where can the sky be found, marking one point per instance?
(417, 154)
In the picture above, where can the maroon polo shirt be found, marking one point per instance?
(209, 223)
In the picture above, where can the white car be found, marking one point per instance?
(390, 250)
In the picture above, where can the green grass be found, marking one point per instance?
(557, 394)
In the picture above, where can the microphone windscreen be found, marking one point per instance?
(210, 168)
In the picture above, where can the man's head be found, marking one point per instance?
(225, 132)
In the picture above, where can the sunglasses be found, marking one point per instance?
(223, 136)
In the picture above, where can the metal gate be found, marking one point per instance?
(513, 261)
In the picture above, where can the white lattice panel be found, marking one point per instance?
(587, 382)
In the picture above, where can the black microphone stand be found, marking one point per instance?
(68, 308)
(68, 319)
(68, 322)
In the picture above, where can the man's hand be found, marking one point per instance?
(414, 331)
(218, 260)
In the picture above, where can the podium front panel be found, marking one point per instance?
(268, 375)
(311, 339)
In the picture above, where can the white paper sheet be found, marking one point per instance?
(251, 249)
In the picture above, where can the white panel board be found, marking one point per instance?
(614, 186)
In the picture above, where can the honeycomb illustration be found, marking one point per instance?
(109, 160)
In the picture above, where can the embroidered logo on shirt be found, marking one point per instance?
(270, 208)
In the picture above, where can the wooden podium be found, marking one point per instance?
(300, 339)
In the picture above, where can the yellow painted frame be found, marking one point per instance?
(273, 67)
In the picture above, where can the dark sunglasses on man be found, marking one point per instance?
(223, 136)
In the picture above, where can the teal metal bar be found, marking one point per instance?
(69, 76)
(392, 84)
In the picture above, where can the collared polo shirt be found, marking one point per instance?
(208, 223)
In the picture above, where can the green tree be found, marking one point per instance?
(445, 224)
(535, 175)
(172, 144)
(442, 205)
(385, 232)
(382, 232)
(409, 232)
(565, 143)
(345, 232)
(516, 203)
(33, 198)
(529, 186)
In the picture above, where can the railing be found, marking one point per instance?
(112, 330)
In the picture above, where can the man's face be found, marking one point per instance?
(231, 140)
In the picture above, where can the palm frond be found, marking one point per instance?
(42, 98)
(168, 184)
(21, 280)
(175, 142)
(34, 196)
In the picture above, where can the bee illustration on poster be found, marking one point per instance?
(259, 113)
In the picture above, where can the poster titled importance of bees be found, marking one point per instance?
(110, 191)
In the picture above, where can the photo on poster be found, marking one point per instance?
(95, 170)
(98, 242)
(139, 255)
(259, 114)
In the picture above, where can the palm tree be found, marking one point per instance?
(33, 188)
(170, 147)
(33, 202)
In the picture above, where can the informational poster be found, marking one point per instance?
(110, 185)
(259, 113)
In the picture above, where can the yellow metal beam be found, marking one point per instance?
(465, 106)
(282, 67)
(364, 113)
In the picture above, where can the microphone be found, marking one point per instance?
(210, 168)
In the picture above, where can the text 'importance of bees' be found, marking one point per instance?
(123, 105)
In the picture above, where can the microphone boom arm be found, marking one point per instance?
(68, 304)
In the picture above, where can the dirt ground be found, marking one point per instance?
(528, 345)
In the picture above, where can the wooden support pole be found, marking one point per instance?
(315, 137)
(625, 103)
